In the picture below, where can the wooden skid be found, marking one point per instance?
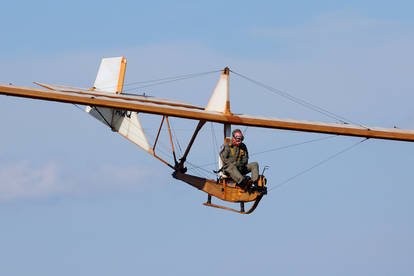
(255, 204)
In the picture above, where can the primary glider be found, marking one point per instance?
(120, 112)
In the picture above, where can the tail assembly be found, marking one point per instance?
(110, 79)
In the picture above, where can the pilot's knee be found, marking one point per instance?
(254, 165)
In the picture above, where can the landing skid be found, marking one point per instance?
(242, 211)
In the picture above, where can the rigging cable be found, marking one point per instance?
(168, 80)
(178, 142)
(163, 80)
(176, 138)
(279, 148)
(162, 149)
(78, 107)
(173, 77)
(200, 168)
(245, 130)
(299, 101)
(318, 164)
(294, 145)
(214, 142)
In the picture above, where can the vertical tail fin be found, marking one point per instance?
(111, 75)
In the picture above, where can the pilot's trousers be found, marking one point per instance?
(237, 175)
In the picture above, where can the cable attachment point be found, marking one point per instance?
(226, 71)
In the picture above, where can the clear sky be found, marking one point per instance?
(77, 199)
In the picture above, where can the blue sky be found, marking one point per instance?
(77, 199)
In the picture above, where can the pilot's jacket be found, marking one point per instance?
(235, 162)
(238, 156)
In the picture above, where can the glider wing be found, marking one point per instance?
(178, 109)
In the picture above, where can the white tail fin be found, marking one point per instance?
(110, 78)
(111, 75)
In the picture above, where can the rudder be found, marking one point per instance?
(111, 74)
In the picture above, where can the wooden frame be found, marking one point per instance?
(194, 114)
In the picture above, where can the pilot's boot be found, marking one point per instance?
(244, 184)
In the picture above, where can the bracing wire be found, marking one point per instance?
(176, 139)
(168, 80)
(294, 145)
(163, 80)
(173, 77)
(78, 107)
(279, 148)
(299, 101)
(161, 148)
(194, 166)
(198, 173)
(317, 164)
(214, 142)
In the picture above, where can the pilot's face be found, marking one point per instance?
(237, 138)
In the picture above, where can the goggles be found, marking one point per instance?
(238, 138)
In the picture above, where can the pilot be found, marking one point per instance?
(235, 159)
